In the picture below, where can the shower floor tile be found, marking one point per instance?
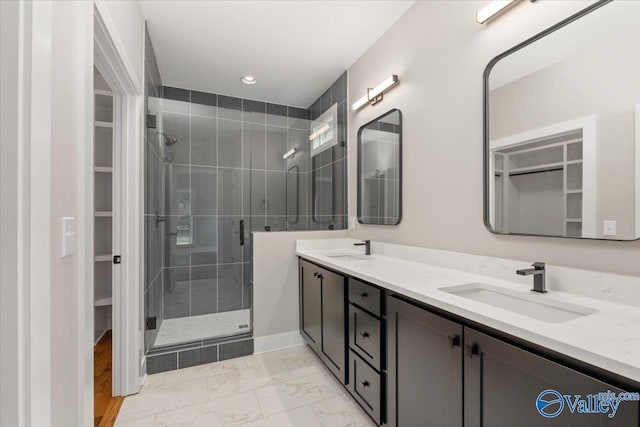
(185, 329)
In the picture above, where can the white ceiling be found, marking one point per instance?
(295, 49)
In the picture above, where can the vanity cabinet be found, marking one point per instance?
(425, 384)
(323, 315)
(367, 347)
(408, 364)
(502, 383)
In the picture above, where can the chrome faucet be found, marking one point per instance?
(367, 246)
(539, 275)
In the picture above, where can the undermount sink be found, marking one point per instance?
(348, 256)
(536, 306)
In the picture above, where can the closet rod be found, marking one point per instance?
(537, 171)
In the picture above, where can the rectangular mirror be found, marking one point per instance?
(561, 129)
(380, 170)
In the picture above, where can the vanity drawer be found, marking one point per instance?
(366, 386)
(365, 336)
(365, 296)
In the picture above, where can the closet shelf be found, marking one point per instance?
(573, 220)
(103, 169)
(103, 300)
(102, 258)
(103, 92)
(578, 191)
(103, 214)
(102, 124)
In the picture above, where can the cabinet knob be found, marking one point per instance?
(365, 383)
(454, 341)
(364, 295)
(364, 334)
(472, 350)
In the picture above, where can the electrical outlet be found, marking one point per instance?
(609, 228)
(68, 236)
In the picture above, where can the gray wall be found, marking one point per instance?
(330, 166)
(226, 167)
(440, 53)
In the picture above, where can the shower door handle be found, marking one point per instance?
(242, 232)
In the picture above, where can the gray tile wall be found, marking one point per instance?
(225, 170)
(326, 179)
(197, 353)
(154, 234)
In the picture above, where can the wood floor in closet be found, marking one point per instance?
(106, 407)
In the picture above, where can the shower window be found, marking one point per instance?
(322, 132)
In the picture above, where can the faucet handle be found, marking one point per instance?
(538, 265)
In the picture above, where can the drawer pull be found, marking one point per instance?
(365, 383)
(454, 341)
(364, 295)
(472, 350)
(364, 334)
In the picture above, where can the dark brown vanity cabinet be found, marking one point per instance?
(408, 366)
(367, 346)
(503, 382)
(323, 315)
(425, 384)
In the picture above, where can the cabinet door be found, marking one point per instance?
(424, 367)
(503, 382)
(334, 319)
(310, 300)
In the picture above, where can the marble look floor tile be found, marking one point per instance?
(227, 368)
(229, 411)
(341, 411)
(163, 398)
(300, 417)
(246, 379)
(295, 393)
(140, 422)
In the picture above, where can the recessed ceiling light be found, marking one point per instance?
(248, 80)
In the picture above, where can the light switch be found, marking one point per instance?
(68, 236)
(609, 227)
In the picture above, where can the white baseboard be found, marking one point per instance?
(277, 342)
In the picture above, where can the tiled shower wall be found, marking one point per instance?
(226, 169)
(327, 174)
(154, 234)
(227, 166)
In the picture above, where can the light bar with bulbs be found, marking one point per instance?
(289, 154)
(492, 9)
(375, 95)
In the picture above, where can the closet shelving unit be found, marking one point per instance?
(557, 153)
(103, 206)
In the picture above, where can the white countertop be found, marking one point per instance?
(608, 339)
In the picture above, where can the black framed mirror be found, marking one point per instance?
(562, 129)
(380, 170)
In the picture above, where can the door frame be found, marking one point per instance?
(106, 51)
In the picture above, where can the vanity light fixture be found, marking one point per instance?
(375, 95)
(289, 154)
(492, 9)
(248, 80)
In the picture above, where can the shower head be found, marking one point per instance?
(168, 141)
